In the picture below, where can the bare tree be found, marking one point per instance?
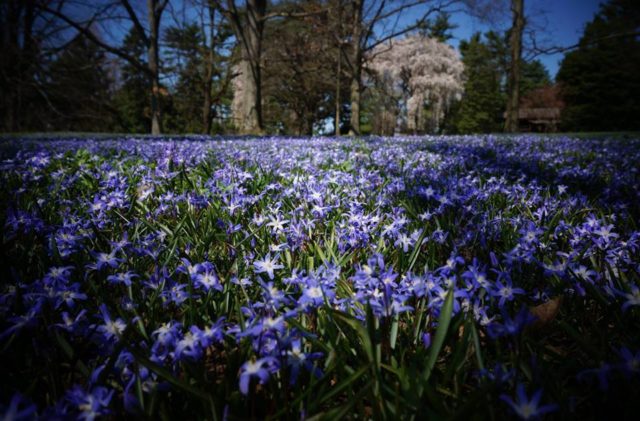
(367, 24)
(202, 55)
(337, 28)
(248, 23)
(28, 39)
(210, 44)
(150, 37)
(17, 59)
(299, 63)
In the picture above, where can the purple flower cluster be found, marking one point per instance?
(155, 265)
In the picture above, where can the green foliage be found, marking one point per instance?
(440, 28)
(79, 89)
(600, 80)
(299, 83)
(534, 76)
(486, 60)
(185, 59)
(132, 98)
(187, 54)
(483, 102)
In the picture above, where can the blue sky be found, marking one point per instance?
(563, 22)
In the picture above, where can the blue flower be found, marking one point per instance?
(208, 280)
(68, 296)
(630, 361)
(601, 373)
(189, 347)
(268, 265)
(121, 244)
(297, 358)
(210, 334)
(272, 296)
(528, 408)
(261, 369)
(510, 326)
(499, 375)
(189, 269)
(426, 340)
(267, 324)
(57, 276)
(313, 295)
(105, 260)
(505, 291)
(19, 409)
(29, 319)
(124, 278)
(111, 329)
(72, 324)
(632, 298)
(90, 405)
(167, 334)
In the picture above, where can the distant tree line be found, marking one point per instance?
(302, 67)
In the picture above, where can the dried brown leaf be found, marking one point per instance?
(545, 313)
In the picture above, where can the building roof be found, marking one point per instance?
(539, 114)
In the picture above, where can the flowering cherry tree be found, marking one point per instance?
(419, 70)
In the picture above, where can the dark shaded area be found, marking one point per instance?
(600, 80)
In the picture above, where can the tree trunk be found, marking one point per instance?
(356, 73)
(206, 104)
(515, 45)
(355, 105)
(308, 127)
(154, 72)
(27, 60)
(249, 33)
(338, 104)
(339, 70)
(247, 105)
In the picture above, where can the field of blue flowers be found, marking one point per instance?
(383, 278)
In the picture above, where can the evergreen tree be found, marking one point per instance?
(487, 62)
(185, 61)
(601, 79)
(482, 105)
(79, 89)
(534, 76)
(131, 99)
(440, 28)
(198, 66)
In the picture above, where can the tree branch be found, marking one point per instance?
(296, 15)
(86, 31)
(435, 9)
(136, 22)
(537, 51)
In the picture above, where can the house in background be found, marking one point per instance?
(543, 120)
(540, 110)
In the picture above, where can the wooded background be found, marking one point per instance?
(302, 67)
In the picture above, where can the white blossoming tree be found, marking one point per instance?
(419, 71)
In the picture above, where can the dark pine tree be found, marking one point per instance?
(600, 80)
